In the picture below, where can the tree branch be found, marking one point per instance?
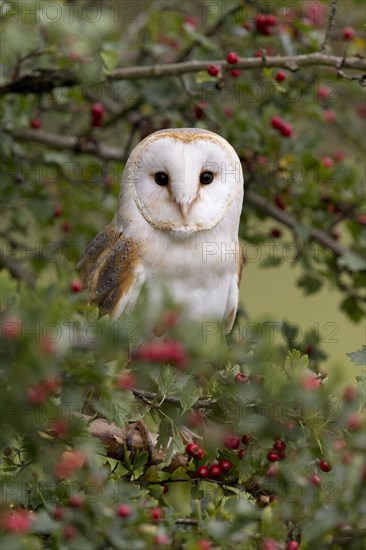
(289, 221)
(41, 81)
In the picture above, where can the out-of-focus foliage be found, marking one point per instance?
(60, 360)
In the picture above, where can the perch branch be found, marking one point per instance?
(41, 81)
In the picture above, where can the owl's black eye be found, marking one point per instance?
(206, 178)
(161, 178)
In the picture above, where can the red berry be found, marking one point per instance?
(273, 456)
(323, 92)
(215, 470)
(242, 453)
(59, 428)
(165, 488)
(315, 480)
(213, 70)
(126, 381)
(235, 73)
(199, 112)
(354, 421)
(124, 511)
(231, 441)
(203, 471)
(279, 202)
(58, 513)
(325, 466)
(162, 540)
(329, 115)
(69, 532)
(10, 328)
(77, 501)
(348, 33)
(17, 521)
(292, 545)
(286, 130)
(338, 156)
(232, 58)
(350, 393)
(169, 351)
(52, 384)
(327, 162)
(277, 122)
(97, 110)
(279, 445)
(246, 439)
(195, 451)
(66, 226)
(76, 285)
(276, 233)
(241, 377)
(280, 76)
(57, 211)
(156, 514)
(36, 123)
(37, 394)
(225, 465)
(272, 471)
(204, 544)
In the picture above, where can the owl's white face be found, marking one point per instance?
(184, 180)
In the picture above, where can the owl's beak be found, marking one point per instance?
(184, 210)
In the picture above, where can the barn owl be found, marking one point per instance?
(177, 221)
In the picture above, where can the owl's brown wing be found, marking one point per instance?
(109, 270)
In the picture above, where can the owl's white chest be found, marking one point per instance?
(197, 273)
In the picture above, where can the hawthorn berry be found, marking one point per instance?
(37, 394)
(286, 130)
(204, 544)
(57, 211)
(325, 466)
(277, 122)
(97, 112)
(17, 521)
(276, 233)
(348, 33)
(77, 501)
(215, 470)
(195, 451)
(124, 511)
(315, 480)
(241, 377)
(327, 162)
(165, 488)
(58, 513)
(225, 465)
(279, 445)
(162, 540)
(231, 441)
(203, 471)
(76, 285)
(66, 226)
(235, 73)
(280, 76)
(232, 58)
(156, 514)
(36, 123)
(350, 393)
(126, 381)
(273, 456)
(242, 453)
(264, 23)
(245, 439)
(329, 115)
(169, 351)
(292, 545)
(279, 202)
(213, 70)
(69, 532)
(354, 421)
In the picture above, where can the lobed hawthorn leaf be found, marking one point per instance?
(190, 394)
(358, 357)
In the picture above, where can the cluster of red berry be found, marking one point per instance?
(283, 127)
(265, 23)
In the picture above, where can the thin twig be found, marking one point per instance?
(331, 21)
(41, 81)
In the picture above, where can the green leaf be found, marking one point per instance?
(309, 283)
(189, 395)
(295, 363)
(358, 357)
(110, 59)
(352, 261)
(353, 310)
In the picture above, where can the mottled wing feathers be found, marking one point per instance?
(108, 268)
